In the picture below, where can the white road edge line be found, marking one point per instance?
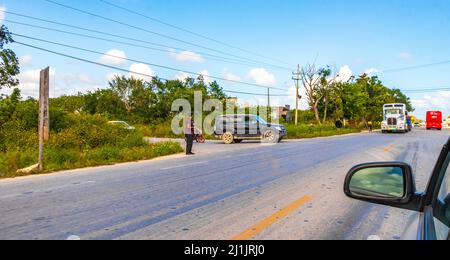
(184, 165)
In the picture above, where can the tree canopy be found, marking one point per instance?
(9, 63)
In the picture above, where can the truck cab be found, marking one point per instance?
(395, 119)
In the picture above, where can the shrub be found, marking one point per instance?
(310, 131)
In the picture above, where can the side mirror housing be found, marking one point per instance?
(390, 184)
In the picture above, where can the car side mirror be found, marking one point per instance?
(390, 184)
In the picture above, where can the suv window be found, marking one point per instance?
(442, 230)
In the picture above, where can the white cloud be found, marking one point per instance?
(141, 71)
(81, 78)
(186, 56)
(230, 76)
(60, 84)
(276, 101)
(2, 14)
(406, 56)
(262, 77)
(33, 76)
(182, 76)
(114, 57)
(26, 60)
(110, 76)
(371, 71)
(345, 73)
(438, 101)
(206, 77)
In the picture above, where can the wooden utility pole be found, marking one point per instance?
(297, 79)
(269, 115)
(44, 126)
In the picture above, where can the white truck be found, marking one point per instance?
(395, 119)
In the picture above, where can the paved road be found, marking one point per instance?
(247, 191)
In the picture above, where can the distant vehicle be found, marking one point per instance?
(392, 184)
(434, 120)
(416, 124)
(395, 119)
(237, 128)
(122, 124)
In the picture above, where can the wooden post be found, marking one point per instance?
(43, 113)
(297, 79)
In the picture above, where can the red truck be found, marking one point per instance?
(434, 120)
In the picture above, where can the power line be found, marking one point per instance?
(144, 29)
(110, 40)
(189, 31)
(429, 90)
(125, 70)
(416, 67)
(210, 56)
(254, 94)
(138, 61)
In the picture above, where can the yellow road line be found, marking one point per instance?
(389, 148)
(263, 225)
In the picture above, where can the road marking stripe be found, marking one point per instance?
(184, 165)
(389, 148)
(263, 225)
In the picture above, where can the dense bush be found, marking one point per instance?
(311, 131)
(81, 140)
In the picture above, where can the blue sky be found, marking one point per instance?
(354, 34)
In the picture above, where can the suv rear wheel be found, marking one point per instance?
(228, 138)
(270, 136)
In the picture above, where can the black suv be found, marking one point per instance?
(236, 128)
(392, 184)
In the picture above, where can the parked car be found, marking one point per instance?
(236, 128)
(392, 184)
(123, 124)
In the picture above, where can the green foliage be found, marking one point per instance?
(8, 106)
(311, 131)
(360, 99)
(9, 63)
(139, 102)
(76, 139)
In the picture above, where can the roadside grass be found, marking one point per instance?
(86, 141)
(303, 131)
(57, 159)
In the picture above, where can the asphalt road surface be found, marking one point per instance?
(245, 191)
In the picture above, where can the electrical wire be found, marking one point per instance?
(143, 62)
(169, 48)
(189, 31)
(142, 29)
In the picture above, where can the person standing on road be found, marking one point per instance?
(190, 135)
(370, 124)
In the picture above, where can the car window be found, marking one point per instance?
(442, 230)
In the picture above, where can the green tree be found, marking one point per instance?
(399, 97)
(8, 106)
(215, 91)
(69, 104)
(9, 64)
